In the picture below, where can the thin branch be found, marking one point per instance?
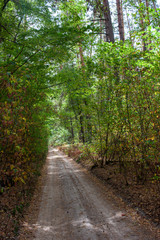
(98, 19)
(25, 61)
(98, 33)
(39, 50)
(54, 85)
(19, 53)
(18, 29)
(6, 29)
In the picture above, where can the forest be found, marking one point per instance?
(81, 73)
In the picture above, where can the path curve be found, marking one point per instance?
(75, 207)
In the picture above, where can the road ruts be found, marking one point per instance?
(75, 207)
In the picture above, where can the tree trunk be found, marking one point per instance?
(108, 22)
(154, 5)
(120, 19)
(81, 56)
(72, 130)
(142, 27)
(81, 133)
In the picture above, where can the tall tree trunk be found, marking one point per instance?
(142, 27)
(148, 19)
(81, 56)
(153, 1)
(108, 22)
(72, 130)
(120, 19)
(81, 132)
(101, 29)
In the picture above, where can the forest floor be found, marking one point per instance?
(15, 203)
(143, 197)
(70, 203)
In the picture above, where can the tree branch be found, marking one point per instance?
(19, 53)
(5, 4)
(18, 28)
(98, 19)
(25, 61)
(54, 85)
(6, 29)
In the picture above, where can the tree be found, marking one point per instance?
(32, 43)
(106, 99)
(120, 19)
(108, 22)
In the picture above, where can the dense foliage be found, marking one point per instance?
(33, 41)
(83, 72)
(61, 77)
(110, 98)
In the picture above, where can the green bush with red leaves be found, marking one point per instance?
(23, 132)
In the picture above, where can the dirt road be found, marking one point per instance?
(76, 207)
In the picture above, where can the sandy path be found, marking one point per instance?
(75, 207)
